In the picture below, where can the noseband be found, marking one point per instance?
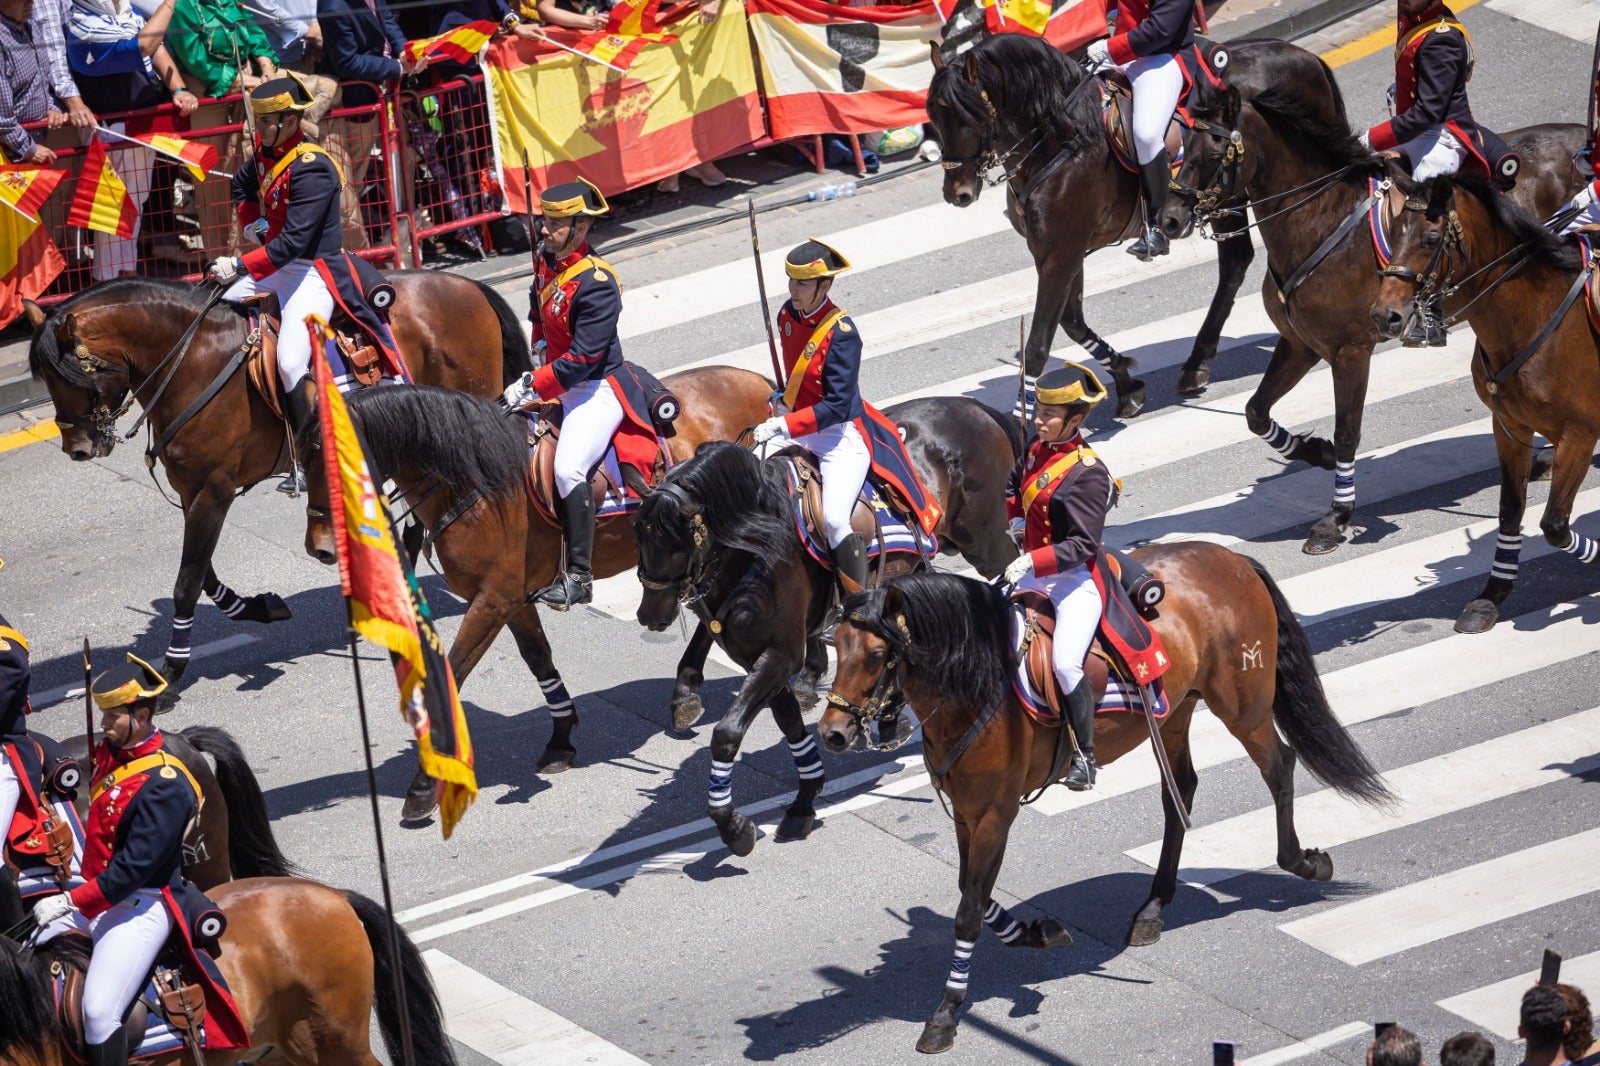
(692, 587)
(100, 414)
(886, 698)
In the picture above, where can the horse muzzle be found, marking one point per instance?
(1388, 321)
(319, 537)
(657, 610)
(961, 192)
(81, 445)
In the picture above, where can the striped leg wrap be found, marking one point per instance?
(1101, 352)
(807, 760)
(227, 600)
(178, 650)
(556, 697)
(720, 785)
(1281, 440)
(1582, 547)
(999, 919)
(1344, 484)
(960, 967)
(1024, 405)
(1507, 550)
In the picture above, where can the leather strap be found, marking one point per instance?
(183, 419)
(966, 740)
(466, 503)
(797, 376)
(144, 765)
(1053, 473)
(1325, 249)
(1509, 370)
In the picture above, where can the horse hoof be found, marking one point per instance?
(1479, 616)
(686, 711)
(1130, 403)
(1321, 542)
(166, 701)
(795, 827)
(936, 1038)
(276, 609)
(1049, 933)
(555, 760)
(742, 841)
(1321, 865)
(1145, 931)
(1194, 382)
(418, 807)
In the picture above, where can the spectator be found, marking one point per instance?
(120, 64)
(1544, 1026)
(1395, 1047)
(215, 45)
(50, 37)
(1581, 1046)
(292, 28)
(24, 91)
(1467, 1049)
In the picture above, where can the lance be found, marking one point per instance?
(1594, 85)
(761, 287)
(88, 713)
(1022, 376)
(527, 192)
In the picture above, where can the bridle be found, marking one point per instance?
(886, 698)
(1431, 279)
(100, 414)
(1207, 201)
(695, 583)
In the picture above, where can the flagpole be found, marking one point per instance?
(383, 861)
(109, 132)
(593, 59)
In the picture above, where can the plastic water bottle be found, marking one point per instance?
(832, 192)
(930, 152)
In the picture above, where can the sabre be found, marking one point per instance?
(88, 714)
(527, 192)
(761, 287)
(1022, 377)
(1147, 695)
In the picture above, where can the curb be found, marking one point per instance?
(1318, 15)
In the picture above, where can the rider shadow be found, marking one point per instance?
(899, 989)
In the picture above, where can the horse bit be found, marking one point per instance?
(1207, 199)
(697, 576)
(1428, 281)
(886, 698)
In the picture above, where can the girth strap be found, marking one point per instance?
(467, 503)
(1325, 249)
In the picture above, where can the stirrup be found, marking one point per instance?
(1080, 778)
(568, 590)
(1149, 245)
(293, 483)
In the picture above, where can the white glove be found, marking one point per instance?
(1584, 198)
(772, 428)
(1099, 55)
(51, 908)
(1020, 568)
(516, 393)
(225, 269)
(1365, 139)
(257, 231)
(1015, 530)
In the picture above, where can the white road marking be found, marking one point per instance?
(1570, 18)
(1412, 915)
(509, 1029)
(1310, 1045)
(44, 699)
(1496, 1007)
(1445, 784)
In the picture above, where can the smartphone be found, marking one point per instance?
(1222, 1053)
(1550, 972)
(1379, 1028)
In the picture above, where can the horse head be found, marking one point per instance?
(28, 1033)
(670, 531)
(965, 120)
(1214, 161)
(88, 392)
(869, 643)
(1424, 231)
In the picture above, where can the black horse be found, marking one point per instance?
(719, 536)
(1017, 103)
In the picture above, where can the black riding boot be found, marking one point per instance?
(298, 410)
(1155, 180)
(850, 565)
(577, 525)
(1426, 328)
(113, 1052)
(1080, 714)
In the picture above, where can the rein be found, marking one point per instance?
(1208, 199)
(988, 158)
(691, 588)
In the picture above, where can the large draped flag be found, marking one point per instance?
(197, 157)
(29, 259)
(461, 44)
(386, 606)
(1066, 24)
(101, 201)
(630, 26)
(25, 187)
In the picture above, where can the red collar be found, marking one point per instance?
(815, 317)
(1434, 11)
(1072, 443)
(275, 154)
(148, 746)
(558, 265)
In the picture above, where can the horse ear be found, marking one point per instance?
(1440, 193)
(969, 67)
(67, 328)
(893, 602)
(35, 313)
(938, 56)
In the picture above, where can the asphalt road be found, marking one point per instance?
(602, 896)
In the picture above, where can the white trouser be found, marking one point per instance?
(1432, 153)
(1078, 610)
(1589, 216)
(127, 939)
(844, 460)
(590, 415)
(114, 255)
(10, 796)
(1157, 84)
(301, 292)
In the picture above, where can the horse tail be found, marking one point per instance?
(515, 356)
(1301, 710)
(1010, 426)
(429, 1043)
(252, 847)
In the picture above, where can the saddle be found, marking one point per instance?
(876, 507)
(615, 484)
(261, 347)
(167, 1014)
(1117, 110)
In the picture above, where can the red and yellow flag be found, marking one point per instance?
(197, 157)
(386, 605)
(461, 44)
(25, 188)
(29, 262)
(1017, 16)
(630, 26)
(101, 201)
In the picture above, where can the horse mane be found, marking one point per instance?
(28, 1022)
(960, 632)
(1029, 81)
(745, 501)
(1286, 108)
(1279, 63)
(1550, 249)
(180, 297)
(463, 441)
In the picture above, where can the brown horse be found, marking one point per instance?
(307, 965)
(1537, 362)
(1016, 103)
(1308, 181)
(458, 455)
(107, 342)
(943, 645)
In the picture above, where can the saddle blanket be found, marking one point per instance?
(1591, 297)
(897, 536)
(620, 498)
(1120, 696)
(159, 1038)
(35, 878)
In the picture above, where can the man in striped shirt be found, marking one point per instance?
(35, 78)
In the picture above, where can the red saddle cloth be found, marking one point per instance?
(633, 464)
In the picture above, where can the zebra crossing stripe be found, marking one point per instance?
(1495, 1007)
(1574, 19)
(1477, 895)
(1310, 1045)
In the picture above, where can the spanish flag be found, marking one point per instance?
(1017, 16)
(29, 262)
(461, 44)
(197, 157)
(386, 606)
(25, 188)
(630, 26)
(101, 201)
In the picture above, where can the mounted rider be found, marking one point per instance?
(287, 198)
(1057, 499)
(141, 803)
(1432, 125)
(15, 774)
(1150, 34)
(575, 302)
(1586, 203)
(821, 409)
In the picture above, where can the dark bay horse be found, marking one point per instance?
(1017, 103)
(1311, 178)
(1537, 361)
(307, 966)
(944, 644)
(105, 343)
(719, 536)
(444, 447)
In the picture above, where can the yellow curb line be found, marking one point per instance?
(32, 435)
(1376, 41)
